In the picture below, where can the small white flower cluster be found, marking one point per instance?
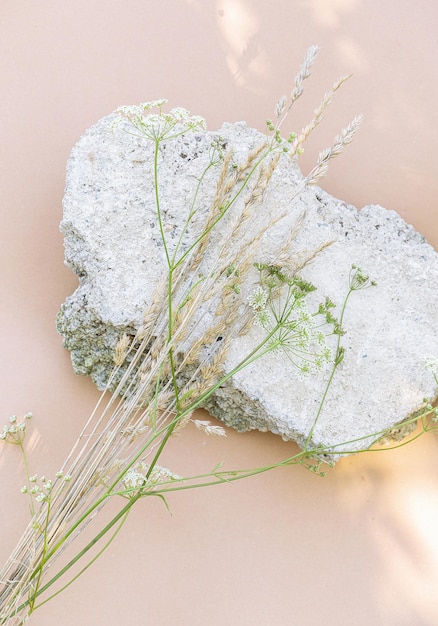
(159, 126)
(135, 478)
(41, 488)
(14, 432)
(258, 298)
(209, 428)
(291, 328)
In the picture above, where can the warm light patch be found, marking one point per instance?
(351, 55)
(409, 551)
(421, 508)
(239, 27)
(329, 12)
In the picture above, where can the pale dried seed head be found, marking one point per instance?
(192, 355)
(142, 332)
(224, 306)
(317, 118)
(165, 401)
(249, 160)
(303, 73)
(121, 349)
(326, 155)
(265, 173)
(208, 375)
(280, 106)
(221, 354)
(209, 429)
(284, 252)
(224, 170)
(303, 258)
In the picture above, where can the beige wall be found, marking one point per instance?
(287, 548)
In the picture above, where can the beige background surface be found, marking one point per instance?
(357, 548)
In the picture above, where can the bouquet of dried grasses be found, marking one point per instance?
(166, 371)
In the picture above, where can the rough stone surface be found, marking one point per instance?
(112, 243)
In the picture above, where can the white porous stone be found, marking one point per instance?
(113, 244)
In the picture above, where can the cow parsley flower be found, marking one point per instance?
(136, 480)
(133, 479)
(280, 308)
(158, 126)
(258, 298)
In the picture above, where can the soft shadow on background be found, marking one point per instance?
(358, 547)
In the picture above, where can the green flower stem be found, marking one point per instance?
(157, 202)
(113, 536)
(48, 555)
(191, 212)
(123, 512)
(170, 268)
(336, 363)
(229, 476)
(32, 599)
(27, 472)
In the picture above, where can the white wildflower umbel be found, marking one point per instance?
(257, 299)
(133, 479)
(280, 308)
(340, 141)
(159, 126)
(140, 479)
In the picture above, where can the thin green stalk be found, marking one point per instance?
(80, 554)
(95, 505)
(169, 264)
(84, 569)
(192, 211)
(27, 472)
(230, 476)
(40, 572)
(337, 361)
(157, 203)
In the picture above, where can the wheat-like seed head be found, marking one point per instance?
(325, 156)
(121, 349)
(318, 116)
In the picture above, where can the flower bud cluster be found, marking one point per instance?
(39, 488)
(14, 432)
